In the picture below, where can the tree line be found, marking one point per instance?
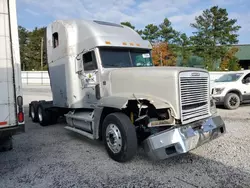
(32, 51)
(210, 45)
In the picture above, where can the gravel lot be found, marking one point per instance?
(54, 157)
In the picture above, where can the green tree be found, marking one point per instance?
(234, 64)
(140, 32)
(167, 33)
(33, 49)
(151, 33)
(184, 48)
(23, 40)
(230, 62)
(214, 31)
(128, 24)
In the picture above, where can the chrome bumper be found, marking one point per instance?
(180, 140)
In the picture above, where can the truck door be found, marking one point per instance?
(246, 87)
(90, 79)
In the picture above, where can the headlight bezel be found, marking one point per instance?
(213, 108)
(218, 90)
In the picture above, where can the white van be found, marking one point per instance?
(232, 89)
(11, 100)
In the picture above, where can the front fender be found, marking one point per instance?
(235, 91)
(120, 102)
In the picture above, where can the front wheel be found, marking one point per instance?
(232, 101)
(119, 137)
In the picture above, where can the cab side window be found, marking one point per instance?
(246, 79)
(55, 39)
(89, 61)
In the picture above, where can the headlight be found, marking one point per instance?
(217, 91)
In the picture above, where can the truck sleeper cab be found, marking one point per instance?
(103, 81)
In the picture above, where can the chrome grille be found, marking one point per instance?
(194, 94)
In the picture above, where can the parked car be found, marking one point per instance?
(232, 89)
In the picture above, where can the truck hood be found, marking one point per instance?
(158, 84)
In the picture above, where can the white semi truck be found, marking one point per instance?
(103, 81)
(11, 99)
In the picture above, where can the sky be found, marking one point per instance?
(39, 13)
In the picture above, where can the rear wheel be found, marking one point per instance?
(46, 116)
(232, 101)
(42, 116)
(119, 136)
(33, 111)
(6, 144)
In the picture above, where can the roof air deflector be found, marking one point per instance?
(107, 23)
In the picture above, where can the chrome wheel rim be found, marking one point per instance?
(40, 116)
(114, 139)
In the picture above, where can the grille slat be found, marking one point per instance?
(194, 87)
(190, 86)
(197, 109)
(188, 83)
(200, 110)
(193, 93)
(196, 115)
(191, 101)
(196, 92)
(188, 96)
(194, 96)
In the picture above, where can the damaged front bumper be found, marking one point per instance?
(180, 140)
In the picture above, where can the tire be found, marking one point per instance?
(232, 101)
(33, 111)
(6, 144)
(117, 126)
(43, 116)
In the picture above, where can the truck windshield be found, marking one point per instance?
(123, 57)
(229, 77)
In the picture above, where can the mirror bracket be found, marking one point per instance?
(79, 62)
